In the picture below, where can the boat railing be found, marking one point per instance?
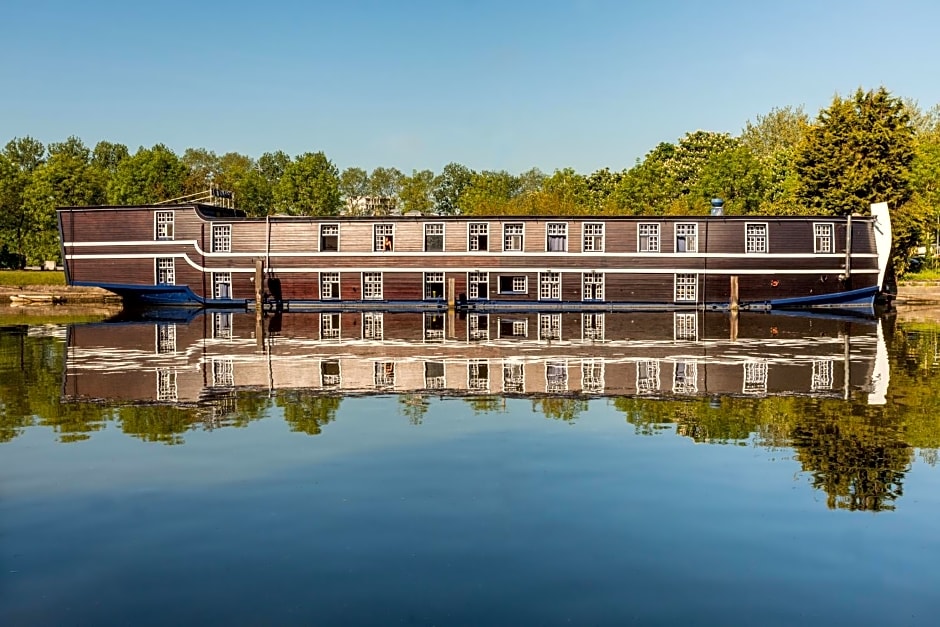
(215, 196)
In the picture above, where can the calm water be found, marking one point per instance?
(406, 469)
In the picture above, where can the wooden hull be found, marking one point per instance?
(195, 255)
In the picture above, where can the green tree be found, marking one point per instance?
(449, 188)
(309, 186)
(65, 179)
(385, 183)
(648, 188)
(202, 170)
(13, 217)
(26, 153)
(354, 183)
(308, 413)
(149, 176)
(859, 151)
(417, 191)
(489, 192)
(272, 166)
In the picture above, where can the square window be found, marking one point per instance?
(329, 237)
(384, 237)
(686, 238)
(557, 237)
(478, 237)
(163, 225)
(593, 237)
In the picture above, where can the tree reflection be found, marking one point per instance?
(306, 411)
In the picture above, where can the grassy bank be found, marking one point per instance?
(23, 278)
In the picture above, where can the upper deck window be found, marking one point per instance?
(648, 235)
(557, 237)
(755, 238)
(593, 237)
(513, 236)
(822, 238)
(384, 237)
(686, 238)
(163, 225)
(329, 237)
(478, 236)
(221, 238)
(434, 237)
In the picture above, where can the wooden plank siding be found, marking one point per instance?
(118, 245)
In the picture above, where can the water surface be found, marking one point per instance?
(772, 471)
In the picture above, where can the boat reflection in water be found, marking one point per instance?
(658, 354)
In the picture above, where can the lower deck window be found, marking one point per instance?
(433, 285)
(329, 285)
(166, 271)
(686, 288)
(222, 285)
(372, 285)
(513, 285)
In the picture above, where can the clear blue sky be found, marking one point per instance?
(493, 85)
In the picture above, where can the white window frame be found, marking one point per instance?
(649, 383)
(383, 374)
(474, 333)
(592, 376)
(510, 236)
(375, 293)
(434, 335)
(685, 326)
(651, 240)
(222, 325)
(164, 225)
(687, 383)
(592, 278)
(561, 230)
(481, 228)
(525, 283)
(434, 226)
(166, 339)
(329, 330)
(550, 326)
(327, 278)
(829, 238)
(593, 237)
(513, 377)
(520, 325)
(592, 327)
(822, 375)
(476, 382)
(556, 376)
(218, 280)
(167, 390)
(168, 269)
(474, 281)
(549, 285)
(223, 372)
(325, 232)
(383, 230)
(756, 243)
(373, 325)
(755, 377)
(685, 287)
(221, 238)
(331, 380)
(687, 230)
(437, 382)
(428, 276)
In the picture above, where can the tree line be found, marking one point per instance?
(870, 146)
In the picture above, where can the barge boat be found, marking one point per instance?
(202, 255)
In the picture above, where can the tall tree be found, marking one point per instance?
(13, 217)
(309, 186)
(65, 179)
(449, 188)
(202, 170)
(416, 191)
(354, 183)
(858, 152)
(385, 182)
(150, 175)
(26, 153)
(489, 192)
